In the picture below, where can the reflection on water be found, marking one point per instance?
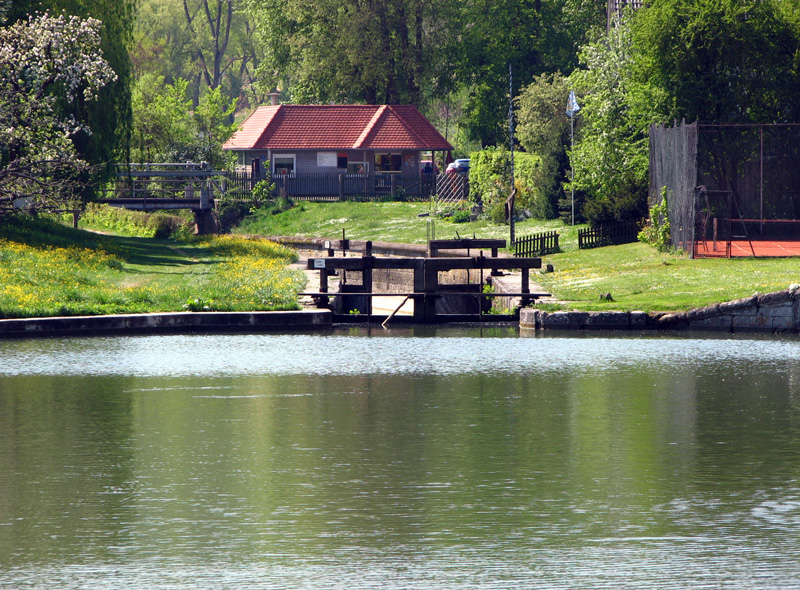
(398, 460)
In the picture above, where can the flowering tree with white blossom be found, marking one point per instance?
(45, 61)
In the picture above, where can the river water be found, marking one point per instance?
(407, 458)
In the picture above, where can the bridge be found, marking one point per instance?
(442, 288)
(168, 186)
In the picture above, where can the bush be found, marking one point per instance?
(137, 223)
(656, 233)
(231, 213)
(490, 182)
(626, 200)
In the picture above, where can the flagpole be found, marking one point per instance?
(572, 108)
(571, 166)
(512, 233)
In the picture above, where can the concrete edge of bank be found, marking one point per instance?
(771, 312)
(167, 322)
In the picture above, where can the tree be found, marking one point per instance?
(720, 61)
(371, 51)
(610, 158)
(544, 129)
(209, 43)
(487, 47)
(44, 61)
(109, 117)
(167, 128)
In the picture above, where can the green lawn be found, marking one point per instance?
(640, 278)
(387, 222)
(637, 276)
(48, 269)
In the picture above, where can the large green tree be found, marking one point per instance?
(533, 36)
(45, 61)
(544, 129)
(168, 127)
(371, 51)
(209, 43)
(720, 61)
(109, 117)
(610, 159)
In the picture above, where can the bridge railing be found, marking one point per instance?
(166, 180)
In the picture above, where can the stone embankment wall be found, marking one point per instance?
(772, 312)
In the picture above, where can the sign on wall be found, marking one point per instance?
(326, 160)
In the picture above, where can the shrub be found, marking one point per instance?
(656, 232)
(137, 223)
(490, 182)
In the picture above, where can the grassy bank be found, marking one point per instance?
(387, 222)
(640, 278)
(636, 276)
(48, 269)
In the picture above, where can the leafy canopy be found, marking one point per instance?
(45, 60)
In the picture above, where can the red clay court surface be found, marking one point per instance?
(742, 248)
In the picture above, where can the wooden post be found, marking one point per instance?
(341, 187)
(419, 287)
(526, 286)
(323, 287)
(430, 276)
(366, 282)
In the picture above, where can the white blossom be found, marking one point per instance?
(42, 59)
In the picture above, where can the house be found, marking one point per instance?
(363, 148)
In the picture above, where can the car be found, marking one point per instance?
(460, 165)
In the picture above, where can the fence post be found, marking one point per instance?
(341, 187)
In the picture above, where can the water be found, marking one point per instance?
(469, 460)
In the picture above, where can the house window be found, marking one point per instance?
(341, 160)
(388, 162)
(283, 164)
(357, 168)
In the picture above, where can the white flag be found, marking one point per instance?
(572, 104)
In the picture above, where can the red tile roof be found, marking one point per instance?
(337, 127)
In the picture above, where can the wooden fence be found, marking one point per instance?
(611, 234)
(536, 245)
(336, 187)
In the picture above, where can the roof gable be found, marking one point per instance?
(337, 127)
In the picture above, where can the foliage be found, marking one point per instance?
(109, 116)
(136, 223)
(610, 158)
(346, 50)
(262, 191)
(167, 128)
(198, 304)
(720, 61)
(207, 42)
(489, 46)
(533, 36)
(44, 60)
(490, 181)
(656, 232)
(544, 129)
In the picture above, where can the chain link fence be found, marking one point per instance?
(732, 190)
